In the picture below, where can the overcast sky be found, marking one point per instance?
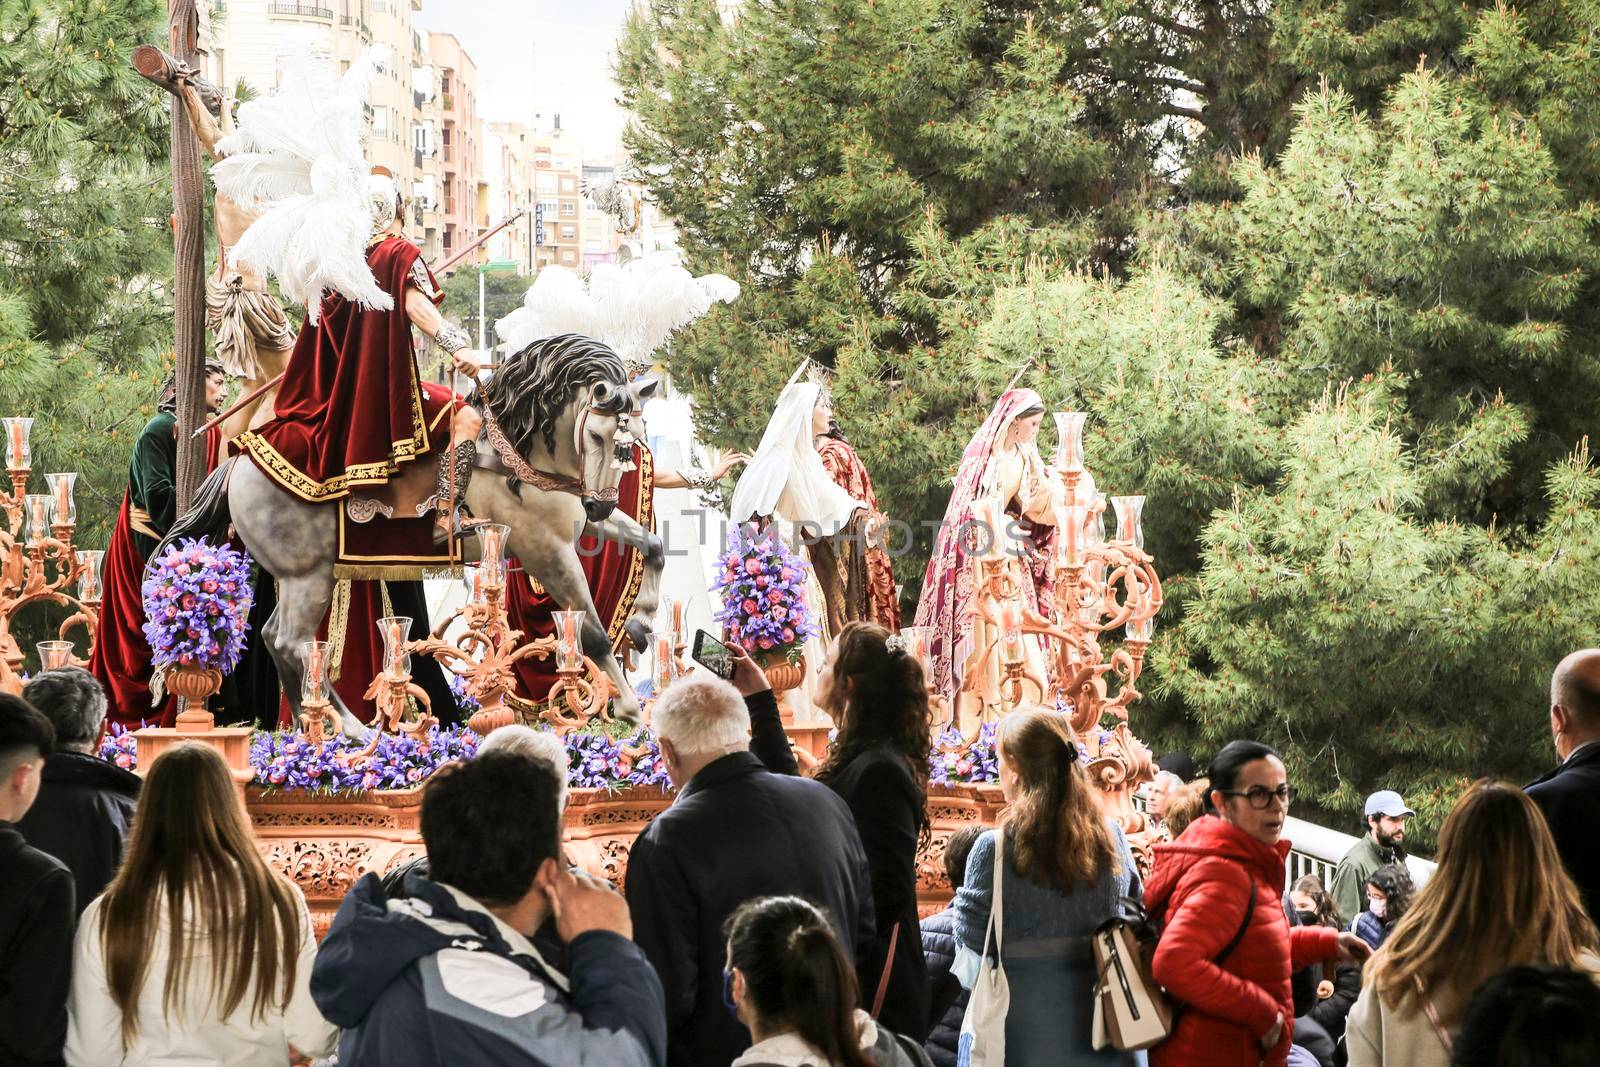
(541, 56)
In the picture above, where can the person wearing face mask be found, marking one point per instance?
(1227, 951)
(789, 981)
(1337, 986)
(1383, 843)
(1569, 795)
(1388, 897)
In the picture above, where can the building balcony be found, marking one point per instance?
(448, 100)
(292, 9)
(449, 153)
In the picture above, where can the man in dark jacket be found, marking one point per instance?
(85, 805)
(36, 907)
(949, 1000)
(736, 831)
(1569, 795)
(447, 973)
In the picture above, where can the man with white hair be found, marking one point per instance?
(737, 830)
(1155, 804)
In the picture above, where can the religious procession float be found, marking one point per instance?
(285, 590)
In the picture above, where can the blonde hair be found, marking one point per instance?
(191, 851)
(1500, 897)
(1184, 805)
(1056, 831)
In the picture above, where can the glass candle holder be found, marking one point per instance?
(66, 509)
(19, 451)
(679, 634)
(991, 519)
(89, 564)
(314, 683)
(1130, 526)
(1141, 631)
(1011, 631)
(395, 631)
(1069, 440)
(666, 666)
(38, 517)
(569, 640)
(1071, 543)
(1094, 528)
(1092, 602)
(54, 655)
(492, 547)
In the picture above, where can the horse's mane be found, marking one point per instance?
(533, 386)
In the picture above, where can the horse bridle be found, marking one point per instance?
(623, 442)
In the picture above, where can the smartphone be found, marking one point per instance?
(713, 655)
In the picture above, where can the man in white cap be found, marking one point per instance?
(1382, 844)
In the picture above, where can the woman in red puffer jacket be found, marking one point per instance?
(1238, 1012)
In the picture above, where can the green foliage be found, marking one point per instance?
(1331, 306)
(83, 143)
(85, 249)
(1373, 643)
(502, 294)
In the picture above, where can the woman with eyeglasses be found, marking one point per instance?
(1226, 949)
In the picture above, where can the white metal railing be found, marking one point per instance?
(1317, 850)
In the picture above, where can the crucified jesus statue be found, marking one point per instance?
(253, 337)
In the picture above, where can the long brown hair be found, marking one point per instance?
(1057, 833)
(887, 704)
(1500, 897)
(191, 849)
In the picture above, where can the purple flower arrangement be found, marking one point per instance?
(954, 760)
(290, 762)
(117, 745)
(196, 606)
(596, 761)
(466, 703)
(763, 587)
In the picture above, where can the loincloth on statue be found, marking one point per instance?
(245, 321)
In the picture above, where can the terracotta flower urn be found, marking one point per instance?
(783, 676)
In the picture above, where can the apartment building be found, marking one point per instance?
(558, 192)
(508, 171)
(465, 197)
(418, 110)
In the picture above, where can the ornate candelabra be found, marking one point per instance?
(1101, 586)
(37, 560)
(486, 651)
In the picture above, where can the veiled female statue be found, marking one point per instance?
(1000, 469)
(786, 483)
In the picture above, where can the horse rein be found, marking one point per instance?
(519, 468)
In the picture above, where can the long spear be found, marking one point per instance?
(452, 261)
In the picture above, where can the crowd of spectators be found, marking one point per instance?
(770, 918)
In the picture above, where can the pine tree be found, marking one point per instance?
(85, 248)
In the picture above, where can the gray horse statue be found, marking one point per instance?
(553, 411)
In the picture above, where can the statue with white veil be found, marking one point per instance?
(787, 484)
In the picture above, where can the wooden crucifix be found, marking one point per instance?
(188, 224)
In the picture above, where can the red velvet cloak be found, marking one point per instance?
(350, 409)
(615, 573)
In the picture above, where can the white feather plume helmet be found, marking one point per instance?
(634, 308)
(296, 158)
